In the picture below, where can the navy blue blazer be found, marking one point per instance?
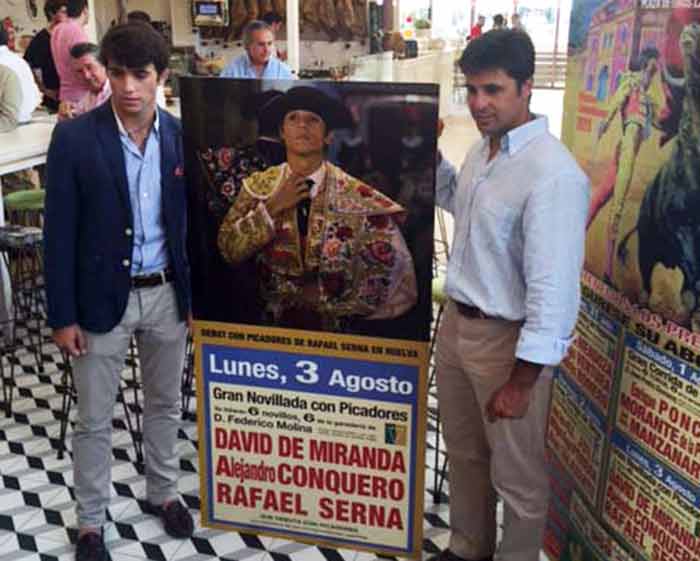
(89, 222)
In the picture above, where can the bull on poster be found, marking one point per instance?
(632, 121)
(312, 301)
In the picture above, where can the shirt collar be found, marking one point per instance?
(122, 128)
(318, 177)
(516, 139)
(4, 49)
(249, 62)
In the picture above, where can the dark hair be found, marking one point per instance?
(501, 49)
(271, 18)
(75, 7)
(4, 36)
(135, 45)
(138, 16)
(81, 49)
(498, 19)
(52, 7)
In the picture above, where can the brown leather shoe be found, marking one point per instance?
(177, 520)
(447, 555)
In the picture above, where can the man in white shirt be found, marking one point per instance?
(31, 96)
(520, 203)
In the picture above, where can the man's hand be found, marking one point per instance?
(66, 111)
(291, 192)
(71, 340)
(512, 399)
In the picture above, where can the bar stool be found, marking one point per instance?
(441, 253)
(187, 391)
(132, 411)
(20, 247)
(26, 208)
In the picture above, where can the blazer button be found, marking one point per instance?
(126, 262)
(128, 232)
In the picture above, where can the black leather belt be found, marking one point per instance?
(471, 312)
(155, 279)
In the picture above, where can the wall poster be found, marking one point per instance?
(624, 431)
(311, 228)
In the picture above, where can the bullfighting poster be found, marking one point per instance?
(624, 431)
(310, 236)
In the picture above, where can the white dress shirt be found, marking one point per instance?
(519, 236)
(31, 96)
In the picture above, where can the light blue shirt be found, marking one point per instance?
(241, 67)
(150, 253)
(520, 226)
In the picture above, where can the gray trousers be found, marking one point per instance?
(474, 358)
(152, 315)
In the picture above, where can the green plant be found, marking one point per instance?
(422, 24)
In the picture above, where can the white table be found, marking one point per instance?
(26, 146)
(23, 148)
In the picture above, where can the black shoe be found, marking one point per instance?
(447, 555)
(91, 547)
(177, 520)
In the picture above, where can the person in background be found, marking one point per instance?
(116, 266)
(276, 23)
(65, 35)
(31, 96)
(516, 23)
(138, 16)
(513, 281)
(477, 29)
(38, 54)
(10, 99)
(499, 22)
(88, 65)
(258, 60)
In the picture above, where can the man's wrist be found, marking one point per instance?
(525, 373)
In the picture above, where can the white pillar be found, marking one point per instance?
(293, 51)
(92, 23)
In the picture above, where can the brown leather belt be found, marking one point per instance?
(471, 312)
(149, 281)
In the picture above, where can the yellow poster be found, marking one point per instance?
(317, 437)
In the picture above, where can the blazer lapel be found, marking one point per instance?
(168, 162)
(108, 134)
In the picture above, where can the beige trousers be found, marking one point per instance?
(507, 458)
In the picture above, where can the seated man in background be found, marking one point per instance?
(39, 57)
(10, 99)
(87, 64)
(327, 245)
(258, 61)
(31, 96)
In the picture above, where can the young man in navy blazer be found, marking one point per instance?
(115, 266)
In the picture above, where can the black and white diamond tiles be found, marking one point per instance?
(37, 512)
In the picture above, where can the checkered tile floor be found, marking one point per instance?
(37, 517)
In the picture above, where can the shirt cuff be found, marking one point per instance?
(445, 172)
(541, 349)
